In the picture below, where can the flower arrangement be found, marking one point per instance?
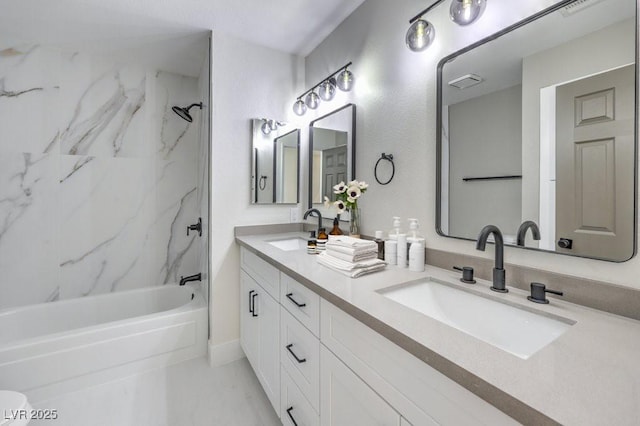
(347, 195)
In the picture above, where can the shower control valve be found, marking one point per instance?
(196, 227)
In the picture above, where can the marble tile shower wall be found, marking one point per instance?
(97, 176)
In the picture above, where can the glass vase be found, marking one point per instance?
(354, 223)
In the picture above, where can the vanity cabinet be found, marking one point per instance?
(321, 366)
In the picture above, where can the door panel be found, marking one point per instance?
(595, 164)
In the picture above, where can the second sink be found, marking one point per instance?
(511, 328)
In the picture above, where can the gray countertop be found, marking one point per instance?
(589, 375)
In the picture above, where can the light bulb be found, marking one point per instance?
(465, 12)
(345, 80)
(299, 108)
(327, 89)
(266, 129)
(312, 100)
(420, 35)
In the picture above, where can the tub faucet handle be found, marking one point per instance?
(195, 227)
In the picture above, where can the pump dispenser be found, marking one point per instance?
(393, 234)
(414, 236)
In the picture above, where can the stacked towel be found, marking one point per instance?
(350, 256)
(351, 269)
(351, 249)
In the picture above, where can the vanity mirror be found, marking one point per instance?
(275, 166)
(332, 148)
(538, 123)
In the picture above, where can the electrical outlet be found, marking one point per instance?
(293, 215)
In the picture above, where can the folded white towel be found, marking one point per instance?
(345, 241)
(351, 269)
(350, 257)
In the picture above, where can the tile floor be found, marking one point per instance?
(186, 394)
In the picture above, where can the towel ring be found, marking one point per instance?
(389, 158)
(262, 184)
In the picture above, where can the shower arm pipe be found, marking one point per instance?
(425, 11)
(329, 76)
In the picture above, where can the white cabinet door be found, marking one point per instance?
(248, 320)
(260, 335)
(347, 400)
(268, 311)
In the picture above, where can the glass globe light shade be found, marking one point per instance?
(327, 89)
(345, 80)
(266, 129)
(465, 12)
(420, 35)
(312, 100)
(299, 108)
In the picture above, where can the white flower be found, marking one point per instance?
(327, 202)
(363, 185)
(354, 183)
(353, 192)
(339, 188)
(340, 206)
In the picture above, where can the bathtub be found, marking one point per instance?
(53, 348)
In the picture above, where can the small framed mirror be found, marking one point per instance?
(537, 126)
(275, 164)
(332, 148)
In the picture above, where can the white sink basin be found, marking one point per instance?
(289, 244)
(508, 327)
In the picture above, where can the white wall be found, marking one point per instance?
(248, 81)
(395, 94)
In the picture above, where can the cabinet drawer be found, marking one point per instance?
(300, 357)
(301, 302)
(295, 409)
(420, 393)
(265, 274)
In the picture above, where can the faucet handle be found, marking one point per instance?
(538, 291)
(467, 274)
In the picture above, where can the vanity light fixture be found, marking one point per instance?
(343, 79)
(421, 33)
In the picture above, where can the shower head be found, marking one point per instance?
(184, 112)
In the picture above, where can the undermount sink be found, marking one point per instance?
(289, 244)
(511, 328)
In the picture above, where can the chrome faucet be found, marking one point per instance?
(319, 216)
(498, 270)
(522, 231)
(196, 277)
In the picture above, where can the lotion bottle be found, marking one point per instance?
(416, 257)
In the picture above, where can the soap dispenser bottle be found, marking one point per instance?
(311, 243)
(414, 236)
(393, 234)
(322, 240)
(336, 228)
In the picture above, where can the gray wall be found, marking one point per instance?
(484, 140)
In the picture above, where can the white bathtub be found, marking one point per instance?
(58, 347)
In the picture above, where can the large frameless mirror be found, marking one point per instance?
(538, 124)
(332, 147)
(275, 162)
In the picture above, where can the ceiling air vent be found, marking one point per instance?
(466, 81)
(577, 6)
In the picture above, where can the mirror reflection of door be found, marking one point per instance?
(334, 169)
(595, 164)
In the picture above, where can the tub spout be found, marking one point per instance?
(196, 277)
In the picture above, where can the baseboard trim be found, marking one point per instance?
(224, 353)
